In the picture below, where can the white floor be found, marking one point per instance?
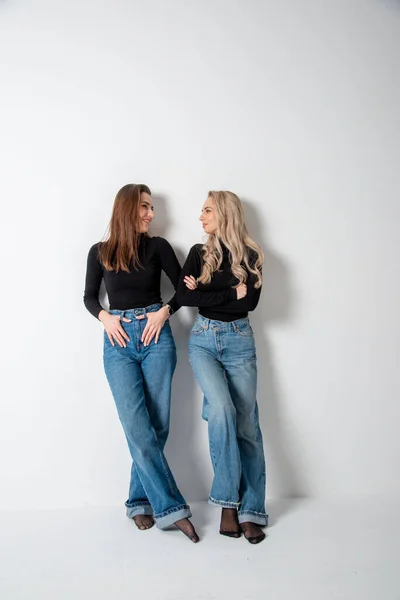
(314, 550)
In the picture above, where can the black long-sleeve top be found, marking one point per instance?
(138, 288)
(217, 300)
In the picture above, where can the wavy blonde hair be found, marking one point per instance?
(232, 232)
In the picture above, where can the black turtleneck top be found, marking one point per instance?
(138, 288)
(217, 300)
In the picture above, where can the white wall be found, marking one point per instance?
(292, 105)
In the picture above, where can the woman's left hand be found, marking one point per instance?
(190, 282)
(155, 322)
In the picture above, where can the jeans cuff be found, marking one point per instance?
(223, 503)
(169, 517)
(137, 508)
(253, 517)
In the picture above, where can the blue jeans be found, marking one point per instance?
(223, 358)
(140, 380)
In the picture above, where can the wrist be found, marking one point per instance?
(168, 309)
(103, 313)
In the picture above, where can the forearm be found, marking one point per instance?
(93, 305)
(94, 276)
(186, 297)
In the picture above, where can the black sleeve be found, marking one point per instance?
(250, 301)
(196, 297)
(94, 275)
(253, 294)
(170, 265)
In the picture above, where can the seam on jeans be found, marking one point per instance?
(224, 502)
(212, 452)
(252, 512)
(171, 511)
(136, 504)
(218, 343)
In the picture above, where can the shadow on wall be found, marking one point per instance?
(184, 450)
(7, 4)
(394, 4)
(276, 306)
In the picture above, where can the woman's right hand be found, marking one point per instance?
(190, 282)
(241, 291)
(113, 327)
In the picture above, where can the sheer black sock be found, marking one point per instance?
(252, 532)
(229, 523)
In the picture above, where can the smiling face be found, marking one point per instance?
(146, 212)
(208, 216)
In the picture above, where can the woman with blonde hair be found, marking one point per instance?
(139, 352)
(223, 278)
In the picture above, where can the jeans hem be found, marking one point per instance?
(223, 503)
(169, 517)
(144, 508)
(253, 517)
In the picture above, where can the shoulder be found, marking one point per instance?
(94, 251)
(93, 261)
(193, 262)
(195, 253)
(159, 242)
(196, 249)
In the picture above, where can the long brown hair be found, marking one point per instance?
(120, 250)
(232, 232)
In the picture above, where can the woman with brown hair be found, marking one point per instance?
(139, 351)
(223, 278)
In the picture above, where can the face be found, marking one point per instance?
(146, 212)
(208, 217)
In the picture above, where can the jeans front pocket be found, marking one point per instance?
(197, 330)
(198, 327)
(243, 328)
